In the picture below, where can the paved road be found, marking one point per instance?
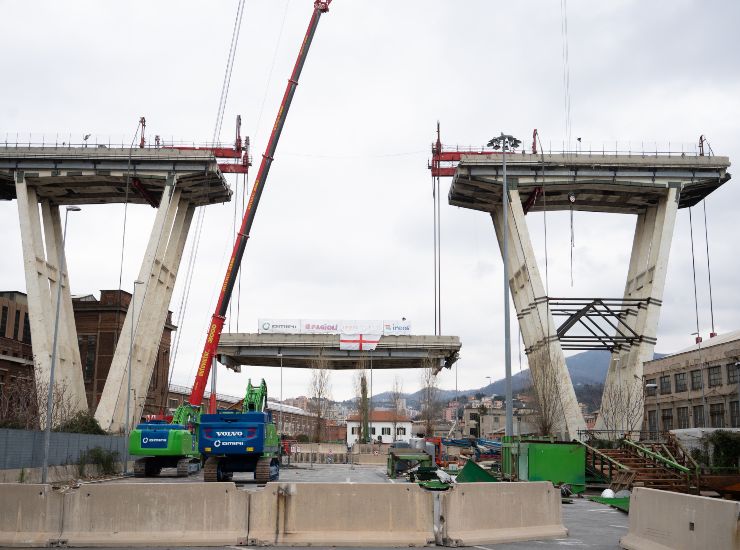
(321, 473)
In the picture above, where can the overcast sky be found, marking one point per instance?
(344, 229)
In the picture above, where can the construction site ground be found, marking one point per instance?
(318, 473)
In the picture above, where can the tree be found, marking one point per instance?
(397, 401)
(622, 406)
(429, 391)
(23, 403)
(482, 411)
(320, 394)
(363, 402)
(548, 394)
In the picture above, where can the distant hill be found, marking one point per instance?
(587, 369)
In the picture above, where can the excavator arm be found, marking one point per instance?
(255, 399)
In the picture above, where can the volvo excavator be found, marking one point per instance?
(241, 441)
(175, 444)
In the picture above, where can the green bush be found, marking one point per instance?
(102, 458)
(302, 438)
(81, 423)
(726, 448)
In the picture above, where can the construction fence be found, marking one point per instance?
(25, 448)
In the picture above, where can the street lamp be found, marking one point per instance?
(50, 395)
(282, 426)
(506, 143)
(130, 354)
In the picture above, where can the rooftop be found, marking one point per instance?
(726, 338)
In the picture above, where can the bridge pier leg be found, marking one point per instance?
(158, 272)
(622, 400)
(43, 273)
(550, 377)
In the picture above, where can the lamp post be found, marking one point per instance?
(128, 368)
(506, 143)
(50, 395)
(282, 426)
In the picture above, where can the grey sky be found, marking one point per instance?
(344, 227)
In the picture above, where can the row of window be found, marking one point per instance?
(697, 380)
(717, 417)
(383, 431)
(26, 339)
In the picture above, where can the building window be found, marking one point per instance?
(3, 321)
(680, 380)
(400, 431)
(682, 417)
(734, 414)
(385, 431)
(732, 373)
(26, 330)
(665, 385)
(651, 391)
(17, 324)
(699, 416)
(652, 421)
(88, 349)
(355, 430)
(666, 417)
(372, 431)
(696, 380)
(173, 402)
(717, 415)
(715, 376)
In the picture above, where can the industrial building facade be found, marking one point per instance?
(694, 388)
(99, 324)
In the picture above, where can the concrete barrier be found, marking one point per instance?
(341, 514)
(662, 520)
(30, 515)
(370, 458)
(489, 513)
(156, 514)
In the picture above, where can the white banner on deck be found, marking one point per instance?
(333, 326)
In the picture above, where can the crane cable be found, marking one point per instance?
(693, 271)
(709, 270)
(193, 254)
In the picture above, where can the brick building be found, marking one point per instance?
(99, 323)
(694, 388)
(16, 354)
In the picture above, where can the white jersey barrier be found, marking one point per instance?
(30, 515)
(341, 514)
(662, 520)
(490, 513)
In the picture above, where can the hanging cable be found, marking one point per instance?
(572, 244)
(193, 255)
(709, 270)
(693, 272)
(123, 231)
(566, 67)
(239, 283)
(435, 182)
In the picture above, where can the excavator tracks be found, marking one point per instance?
(262, 470)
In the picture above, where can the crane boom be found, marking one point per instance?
(219, 316)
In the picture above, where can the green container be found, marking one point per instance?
(560, 463)
(144, 442)
(473, 473)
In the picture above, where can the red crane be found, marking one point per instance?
(219, 316)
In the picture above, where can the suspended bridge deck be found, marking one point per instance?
(303, 350)
(101, 174)
(626, 184)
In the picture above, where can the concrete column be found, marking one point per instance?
(622, 400)
(43, 274)
(159, 272)
(545, 356)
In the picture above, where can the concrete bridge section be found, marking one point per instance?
(301, 350)
(173, 181)
(651, 187)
